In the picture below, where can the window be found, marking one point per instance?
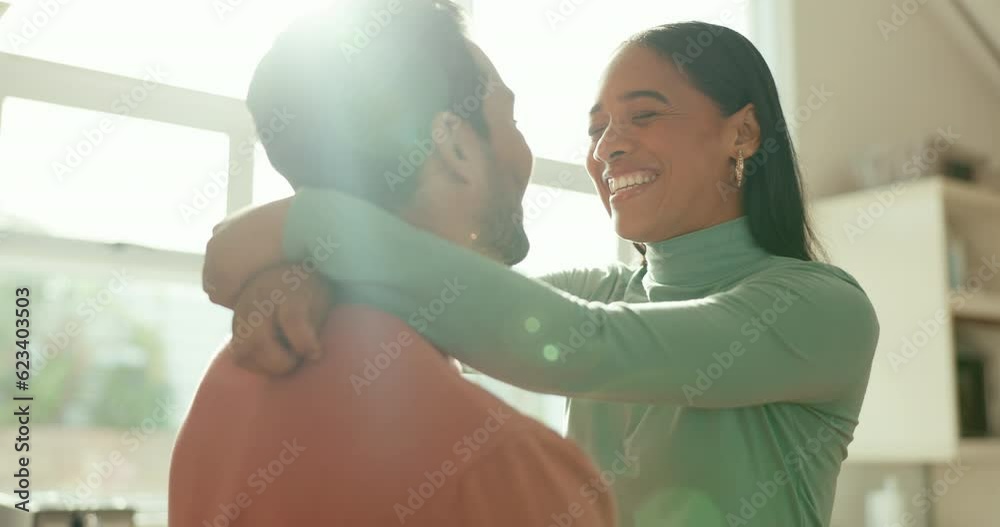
(106, 177)
(206, 45)
(116, 195)
(115, 363)
(109, 203)
(552, 54)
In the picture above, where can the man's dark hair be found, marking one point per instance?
(359, 86)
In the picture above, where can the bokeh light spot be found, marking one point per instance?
(550, 352)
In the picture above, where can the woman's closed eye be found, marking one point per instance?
(596, 130)
(644, 116)
(637, 118)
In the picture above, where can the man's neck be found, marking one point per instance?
(447, 221)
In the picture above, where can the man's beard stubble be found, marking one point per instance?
(502, 230)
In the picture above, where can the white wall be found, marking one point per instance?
(884, 92)
(887, 92)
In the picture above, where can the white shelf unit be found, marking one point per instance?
(894, 241)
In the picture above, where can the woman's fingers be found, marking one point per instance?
(260, 350)
(275, 361)
(295, 321)
(265, 314)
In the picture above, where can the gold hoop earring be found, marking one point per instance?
(739, 169)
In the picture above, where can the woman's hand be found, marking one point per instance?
(242, 246)
(277, 319)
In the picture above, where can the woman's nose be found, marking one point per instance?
(613, 144)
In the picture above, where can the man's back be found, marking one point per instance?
(382, 431)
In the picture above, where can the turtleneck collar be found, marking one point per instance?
(703, 256)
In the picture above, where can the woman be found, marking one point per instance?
(720, 382)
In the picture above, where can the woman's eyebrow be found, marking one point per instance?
(636, 94)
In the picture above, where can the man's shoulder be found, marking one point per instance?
(372, 350)
(365, 325)
(364, 331)
(381, 365)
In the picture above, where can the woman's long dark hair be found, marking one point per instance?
(727, 68)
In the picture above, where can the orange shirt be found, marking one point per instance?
(382, 431)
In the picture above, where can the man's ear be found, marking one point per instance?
(747, 131)
(459, 147)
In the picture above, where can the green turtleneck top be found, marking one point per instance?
(717, 385)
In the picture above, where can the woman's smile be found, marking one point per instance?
(627, 180)
(630, 185)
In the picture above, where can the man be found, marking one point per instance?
(382, 430)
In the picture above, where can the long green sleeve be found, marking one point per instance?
(794, 332)
(597, 284)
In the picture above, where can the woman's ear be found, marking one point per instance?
(747, 131)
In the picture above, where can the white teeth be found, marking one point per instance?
(629, 180)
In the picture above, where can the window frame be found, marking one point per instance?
(772, 24)
(42, 81)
